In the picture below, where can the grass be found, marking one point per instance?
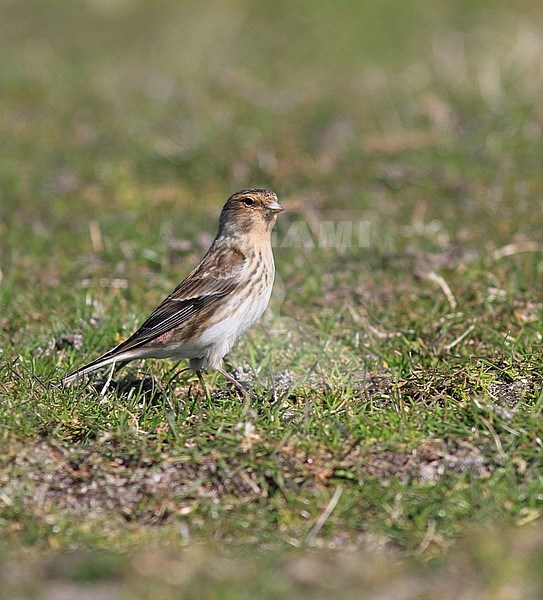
(395, 420)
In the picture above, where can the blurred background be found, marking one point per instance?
(149, 103)
(133, 106)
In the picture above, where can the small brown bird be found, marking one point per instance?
(224, 295)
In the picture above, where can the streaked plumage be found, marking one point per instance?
(216, 303)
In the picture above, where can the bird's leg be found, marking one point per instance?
(204, 385)
(234, 381)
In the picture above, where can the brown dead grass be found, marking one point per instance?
(86, 482)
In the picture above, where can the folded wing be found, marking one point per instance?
(218, 275)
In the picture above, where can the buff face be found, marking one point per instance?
(250, 211)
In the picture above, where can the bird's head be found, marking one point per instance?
(249, 212)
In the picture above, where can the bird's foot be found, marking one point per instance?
(234, 381)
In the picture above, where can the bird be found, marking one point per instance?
(217, 302)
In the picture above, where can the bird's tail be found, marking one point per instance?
(113, 357)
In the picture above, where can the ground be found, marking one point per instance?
(393, 437)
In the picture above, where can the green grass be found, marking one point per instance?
(407, 427)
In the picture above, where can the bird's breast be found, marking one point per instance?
(243, 307)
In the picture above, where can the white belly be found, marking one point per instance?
(241, 319)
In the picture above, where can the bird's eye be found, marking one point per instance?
(248, 201)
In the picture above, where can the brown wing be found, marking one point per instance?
(216, 276)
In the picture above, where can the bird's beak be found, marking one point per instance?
(275, 207)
